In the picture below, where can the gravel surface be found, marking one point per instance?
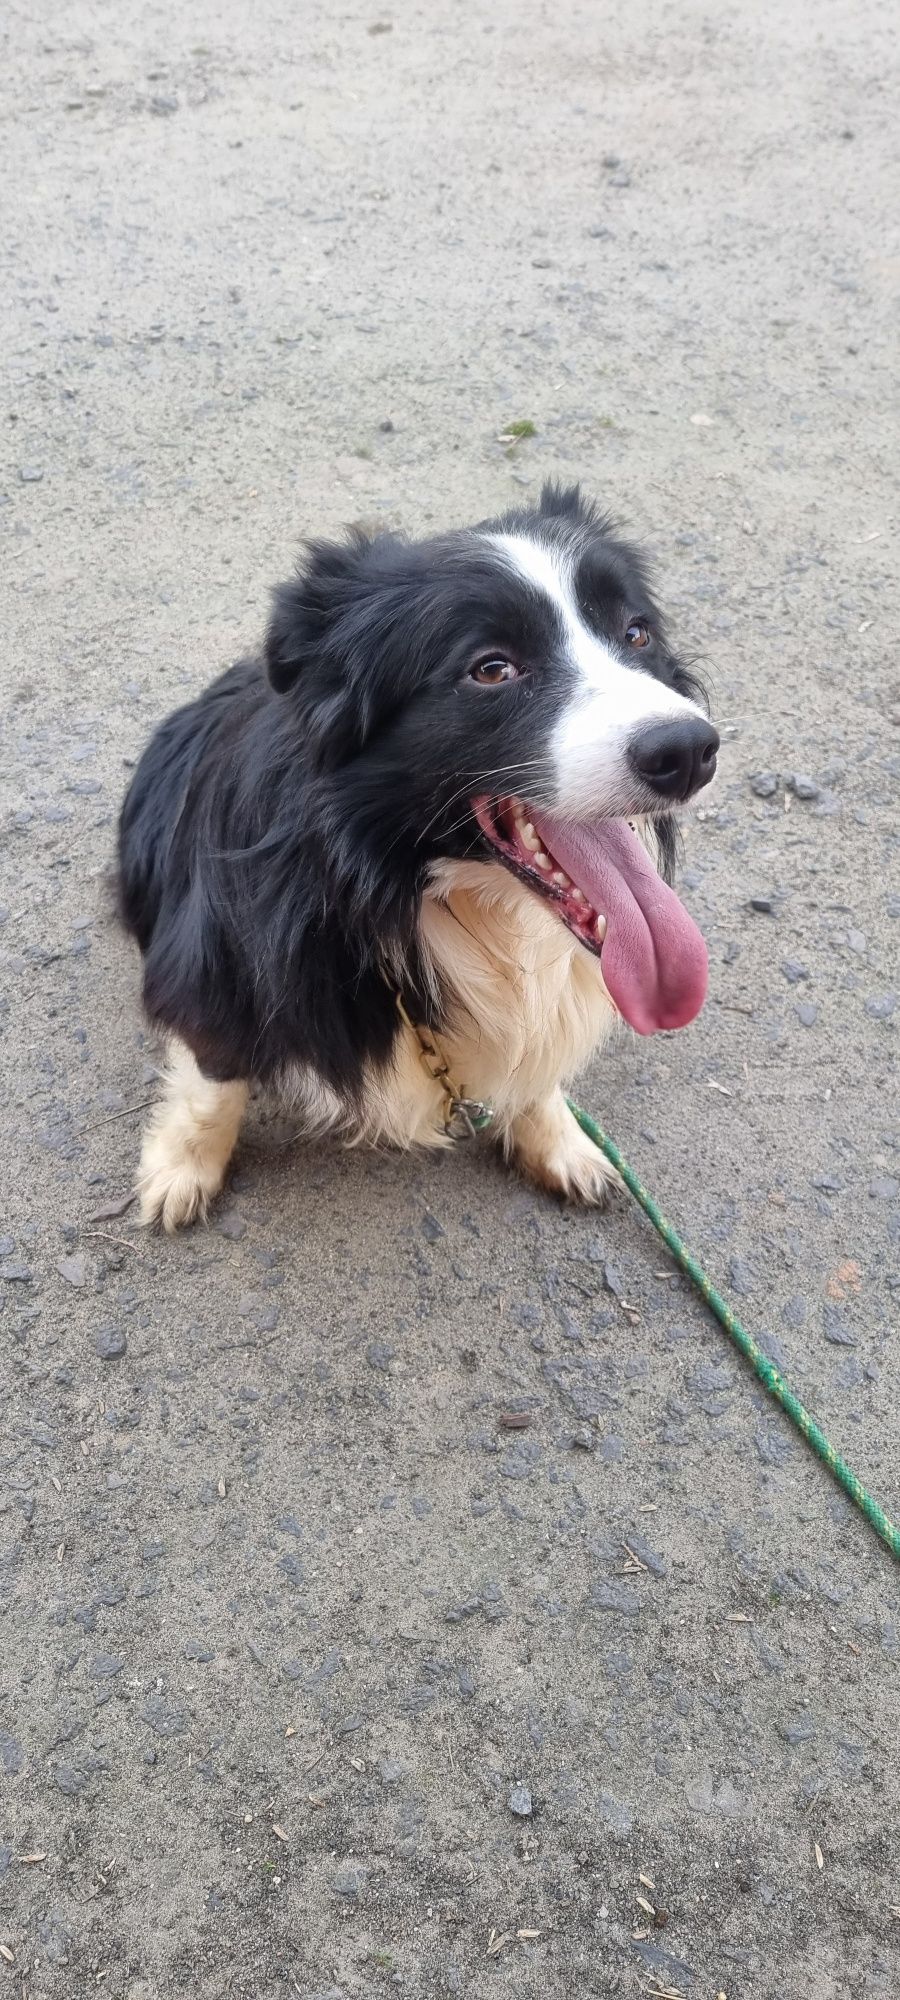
(318, 1675)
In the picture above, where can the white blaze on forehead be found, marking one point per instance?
(610, 701)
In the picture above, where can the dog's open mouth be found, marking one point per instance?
(609, 894)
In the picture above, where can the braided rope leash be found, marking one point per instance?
(752, 1352)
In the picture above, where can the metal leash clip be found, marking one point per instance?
(464, 1117)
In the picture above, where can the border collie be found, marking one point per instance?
(399, 849)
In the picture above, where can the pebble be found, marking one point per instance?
(881, 1006)
(765, 905)
(31, 475)
(655, 1563)
(803, 787)
(69, 1779)
(764, 784)
(605, 1595)
(73, 1269)
(807, 1013)
(518, 1800)
(163, 1720)
(12, 1756)
(16, 1273)
(794, 971)
(741, 1276)
(110, 1343)
(799, 1730)
(836, 1328)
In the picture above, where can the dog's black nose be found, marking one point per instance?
(675, 758)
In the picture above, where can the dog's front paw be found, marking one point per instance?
(175, 1186)
(548, 1144)
(188, 1144)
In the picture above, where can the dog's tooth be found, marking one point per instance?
(560, 877)
(529, 836)
(542, 860)
(578, 896)
(600, 929)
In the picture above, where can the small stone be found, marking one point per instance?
(110, 1343)
(105, 1666)
(794, 971)
(764, 905)
(386, 424)
(73, 1269)
(800, 1730)
(858, 942)
(331, 1665)
(164, 1721)
(163, 107)
(807, 1013)
(879, 1008)
(12, 1756)
(655, 1563)
(432, 1229)
(31, 475)
(16, 1273)
(616, 1597)
(884, 1188)
(390, 1771)
(584, 1439)
(803, 787)
(764, 784)
(836, 1328)
(518, 1800)
(69, 1779)
(740, 1276)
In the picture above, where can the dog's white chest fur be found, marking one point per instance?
(527, 1007)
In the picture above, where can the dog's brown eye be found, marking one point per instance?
(637, 633)
(492, 673)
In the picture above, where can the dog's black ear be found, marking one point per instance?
(332, 640)
(305, 610)
(566, 503)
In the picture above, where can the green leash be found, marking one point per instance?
(759, 1362)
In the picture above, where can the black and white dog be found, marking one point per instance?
(423, 791)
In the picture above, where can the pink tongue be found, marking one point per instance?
(654, 959)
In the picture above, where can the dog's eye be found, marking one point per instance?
(637, 633)
(493, 672)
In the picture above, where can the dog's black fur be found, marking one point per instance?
(278, 831)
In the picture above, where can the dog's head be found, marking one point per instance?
(506, 693)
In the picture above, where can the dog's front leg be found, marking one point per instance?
(548, 1145)
(188, 1143)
